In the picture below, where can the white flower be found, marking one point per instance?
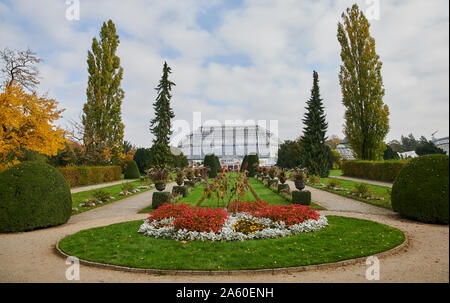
(164, 229)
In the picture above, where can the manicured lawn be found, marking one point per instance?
(377, 190)
(121, 244)
(335, 172)
(114, 191)
(261, 190)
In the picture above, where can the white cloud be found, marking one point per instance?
(284, 40)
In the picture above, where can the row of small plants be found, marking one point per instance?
(360, 191)
(275, 178)
(241, 221)
(103, 195)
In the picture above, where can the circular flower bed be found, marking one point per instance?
(242, 221)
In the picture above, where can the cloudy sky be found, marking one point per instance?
(239, 59)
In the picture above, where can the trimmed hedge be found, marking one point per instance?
(87, 175)
(213, 163)
(131, 170)
(180, 190)
(301, 197)
(420, 191)
(373, 170)
(33, 195)
(272, 183)
(250, 160)
(284, 188)
(190, 184)
(160, 197)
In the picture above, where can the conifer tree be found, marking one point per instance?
(102, 119)
(366, 116)
(315, 152)
(160, 126)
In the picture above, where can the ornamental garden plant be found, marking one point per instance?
(242, 221)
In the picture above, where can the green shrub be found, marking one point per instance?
(373, 170)
(284, 188)
(190, 184)
(213, 163)
(180, 190)
(101, 194)
(420, 191)
(332, 182)
(160, 197)
(314, 179)
(250, 160)
(87, 175)
(301, 197)
(142, 158)
(362, 189)
(33, 195)
(131, 170)
(127, 187)
(272, 183)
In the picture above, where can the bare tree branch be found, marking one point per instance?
(19, 66)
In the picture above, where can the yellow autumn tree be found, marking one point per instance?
(27, 123)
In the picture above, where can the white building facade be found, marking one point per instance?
(230, 143)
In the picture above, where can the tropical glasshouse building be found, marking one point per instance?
(230, 144)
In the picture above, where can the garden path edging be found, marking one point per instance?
(282, 270)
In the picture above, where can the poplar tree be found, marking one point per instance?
(315, 152)
(102, 119)
(366, 116)
(160, 125)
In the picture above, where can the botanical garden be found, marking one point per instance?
(88, 193)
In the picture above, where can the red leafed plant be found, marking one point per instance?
(201, 220)
(289, 214)
(168, 211)
(191, 218)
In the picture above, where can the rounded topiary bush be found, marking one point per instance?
(213, 163)
(131, 170)
(420, 191)
(33, 195)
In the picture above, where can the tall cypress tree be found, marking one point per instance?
(366, 116)
(315, 152)
(160, 126)
(102, 119)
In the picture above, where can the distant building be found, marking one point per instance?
(408, 154)
(442, 143)
(230, 144)
(345, 150)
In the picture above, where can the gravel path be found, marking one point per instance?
(387, 184)
(339, 203)
(30, 256)
(95, 186)
(124, 207)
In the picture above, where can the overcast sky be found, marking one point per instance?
(249, 59)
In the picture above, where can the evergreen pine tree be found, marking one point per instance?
(315, 152)
(101, 119)
(160, 126)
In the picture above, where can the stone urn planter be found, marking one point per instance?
(160, 186)
(300, 185)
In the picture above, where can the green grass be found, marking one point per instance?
(377, 190)
(121, 244)
(335, 172)
(263, 192)
(114, 191)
